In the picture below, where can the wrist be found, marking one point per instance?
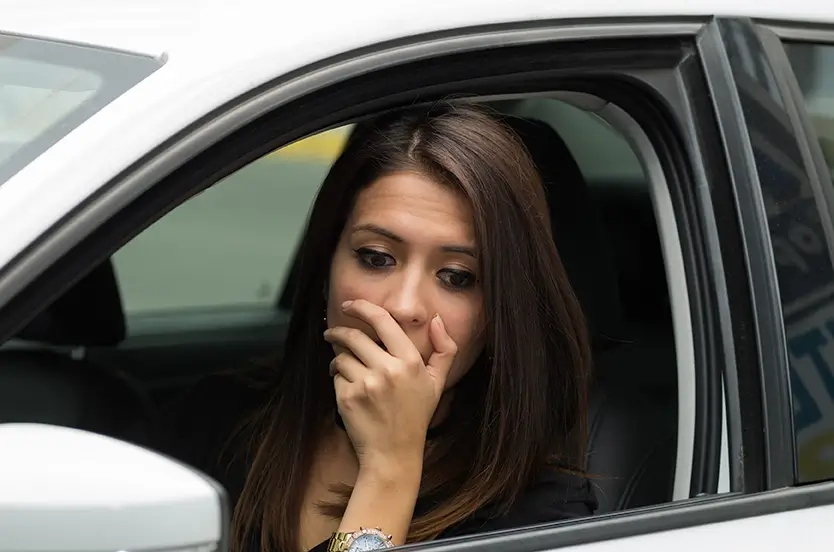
(384, 496)
(383, 470)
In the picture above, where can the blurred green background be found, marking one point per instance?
(231, 245)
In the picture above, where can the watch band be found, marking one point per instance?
(341, 541)
(338, 542)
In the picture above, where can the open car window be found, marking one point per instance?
(232, 246)
(48, 88)
(222, 259)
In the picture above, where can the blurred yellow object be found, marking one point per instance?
(322, 147)
(816, 458)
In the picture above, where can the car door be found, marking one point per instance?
(691, 102)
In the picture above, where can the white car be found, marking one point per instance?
(158, 161)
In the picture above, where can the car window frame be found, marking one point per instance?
(763, 389)
(96, 217)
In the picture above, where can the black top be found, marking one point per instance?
(196, 428)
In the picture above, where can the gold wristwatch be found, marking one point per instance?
(363, 540)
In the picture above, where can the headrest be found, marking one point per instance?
(644, 292)
(89, 314)
(578, 230)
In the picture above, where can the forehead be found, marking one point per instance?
(410, 203)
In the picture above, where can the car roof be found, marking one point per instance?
(166, 27)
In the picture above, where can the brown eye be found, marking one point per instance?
(457, 279)
(373, 258)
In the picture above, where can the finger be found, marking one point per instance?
(342, 387)
(347, 366)
(444, 353)
(386, 328)
(340, 384)
(360, 344)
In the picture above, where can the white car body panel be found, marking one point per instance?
(807, 529)
(70, 486)
(155, 27)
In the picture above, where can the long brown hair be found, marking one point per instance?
(521, 408)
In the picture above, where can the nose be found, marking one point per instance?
(405, 298)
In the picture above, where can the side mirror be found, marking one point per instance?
(67, 490)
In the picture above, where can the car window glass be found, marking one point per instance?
(800, 221)
(813, 65)
(232, 245)
(49, 88)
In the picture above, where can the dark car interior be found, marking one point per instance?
(76, 365)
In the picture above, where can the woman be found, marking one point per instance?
(435, 371)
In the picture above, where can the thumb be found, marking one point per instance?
(444, 353)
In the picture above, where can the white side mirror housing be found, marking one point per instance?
(66, 490)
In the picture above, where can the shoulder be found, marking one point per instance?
(553, 496)
(557, 495)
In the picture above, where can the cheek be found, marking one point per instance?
(466, 331)
(348, 282)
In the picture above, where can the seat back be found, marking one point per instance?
(632, 416)
(44, 381)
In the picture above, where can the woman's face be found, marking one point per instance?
(409, 247)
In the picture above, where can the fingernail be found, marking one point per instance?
(346, 304)
(439, 321)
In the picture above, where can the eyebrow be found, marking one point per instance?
(379, 230)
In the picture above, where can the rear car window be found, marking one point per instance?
(49, 88)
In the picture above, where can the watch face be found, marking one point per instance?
(367, 542)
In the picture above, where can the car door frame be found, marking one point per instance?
(46, 259)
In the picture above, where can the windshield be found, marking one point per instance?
(49, 88)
